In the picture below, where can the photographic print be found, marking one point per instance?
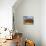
(28, 20)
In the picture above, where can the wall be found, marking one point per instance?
(6, 16)
(6, 13)
(43, 22)
(29, 8)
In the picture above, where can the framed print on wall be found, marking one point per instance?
(28, 20)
